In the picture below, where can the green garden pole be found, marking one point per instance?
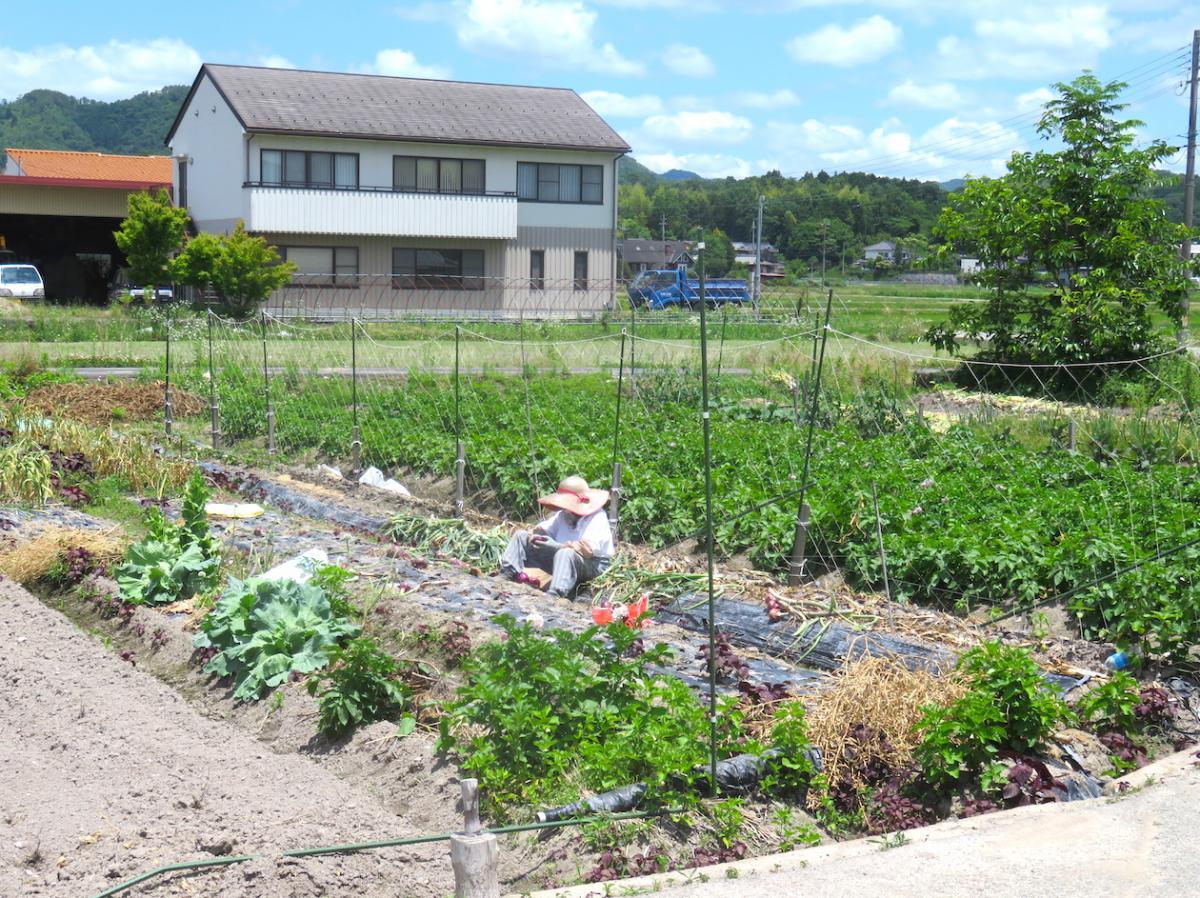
(614, 508)
(214, 411)
(167, 412)
(708, 520)
(356, 434)
(720, 353)
(267, 386)
(460, 460)
(632, 347)
(796, 562)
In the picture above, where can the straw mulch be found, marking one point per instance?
(28, 560)
(882, 695)
(105, 403)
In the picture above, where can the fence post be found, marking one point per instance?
(632, 347)
(1071, 435)
(474, 855)
(614, 507)
(795, 574)
(168, 413)
(460, 456)
(213, 408)
(887, 586)
(267, 386)
(355, 433)
(799, 559)
(708, 527)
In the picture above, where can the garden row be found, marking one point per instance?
(984, 513)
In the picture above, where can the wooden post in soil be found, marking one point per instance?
(474, 855)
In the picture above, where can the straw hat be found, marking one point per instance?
(574, 495)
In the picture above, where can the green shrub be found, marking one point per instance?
(1110, 705)
(1008, 707)
(544, 717)
(263, 630)
(362, 685)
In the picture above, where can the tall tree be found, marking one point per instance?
(150, 235)
(1084, 216)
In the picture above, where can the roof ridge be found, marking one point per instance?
(268, 68)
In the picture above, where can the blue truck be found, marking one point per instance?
(671, 287)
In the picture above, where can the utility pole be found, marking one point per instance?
(824, 228)
(1189, 184)
(758, 240)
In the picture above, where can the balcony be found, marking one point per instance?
(379, 213)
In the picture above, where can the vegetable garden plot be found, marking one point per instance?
(979, 503)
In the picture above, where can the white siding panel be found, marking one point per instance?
(361, 213)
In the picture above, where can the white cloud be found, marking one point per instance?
(404, 64)
(1033, 100)
(948, 149)
(559, 33)
(102, 72)
(426, 12)
(708, 165)
(939, 95)
(689, 61)
(1029, 43)
(764, 100)
(712, 126)
(274, 61)
(618, 105)
(865, 41)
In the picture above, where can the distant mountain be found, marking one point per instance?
(630, 171)
(954, 185)
(679, 174)
(49, 120)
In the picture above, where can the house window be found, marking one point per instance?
(537, 269)
(581, 272)
(423, 175)
(183, 193)
(304, 168)
(322, 265)
(437, 269)
(552, 182)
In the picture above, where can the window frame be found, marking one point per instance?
(335, 278)
(456, 282)
(308, 183)
(537, 274)
(580, 284)
(583, 183)
(438, 160)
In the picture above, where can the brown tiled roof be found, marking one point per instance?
(418, 109)
(92, 166)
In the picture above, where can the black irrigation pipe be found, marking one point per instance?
(1112, 575)
(353, 847)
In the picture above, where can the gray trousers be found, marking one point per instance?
(567, 567)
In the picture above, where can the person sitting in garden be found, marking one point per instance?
(575, 544)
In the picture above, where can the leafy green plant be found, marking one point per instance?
(264, 630)
(543, 716)
(1008, 707)
(174, 561)
(361, 685)
(1112, 704)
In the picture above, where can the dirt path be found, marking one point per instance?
(105, 772)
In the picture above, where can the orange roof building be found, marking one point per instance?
(101, 168)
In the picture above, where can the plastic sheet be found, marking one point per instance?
(615, 801)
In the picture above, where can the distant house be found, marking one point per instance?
(409, 194)
(885, 250)
(772, 268)
(59, 208)
(637, 256)
(969, 265)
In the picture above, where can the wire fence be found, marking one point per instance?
(970, 483)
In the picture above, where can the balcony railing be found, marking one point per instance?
(381, 212)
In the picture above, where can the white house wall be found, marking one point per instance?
(210, 135)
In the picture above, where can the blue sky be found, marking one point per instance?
(916, 88)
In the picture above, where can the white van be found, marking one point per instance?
(21, 282)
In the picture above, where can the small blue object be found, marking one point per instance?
(1117, 661)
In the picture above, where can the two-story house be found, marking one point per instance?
(406, 195)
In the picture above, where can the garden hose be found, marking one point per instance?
(352, 847)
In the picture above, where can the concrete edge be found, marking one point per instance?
(1164, 768)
